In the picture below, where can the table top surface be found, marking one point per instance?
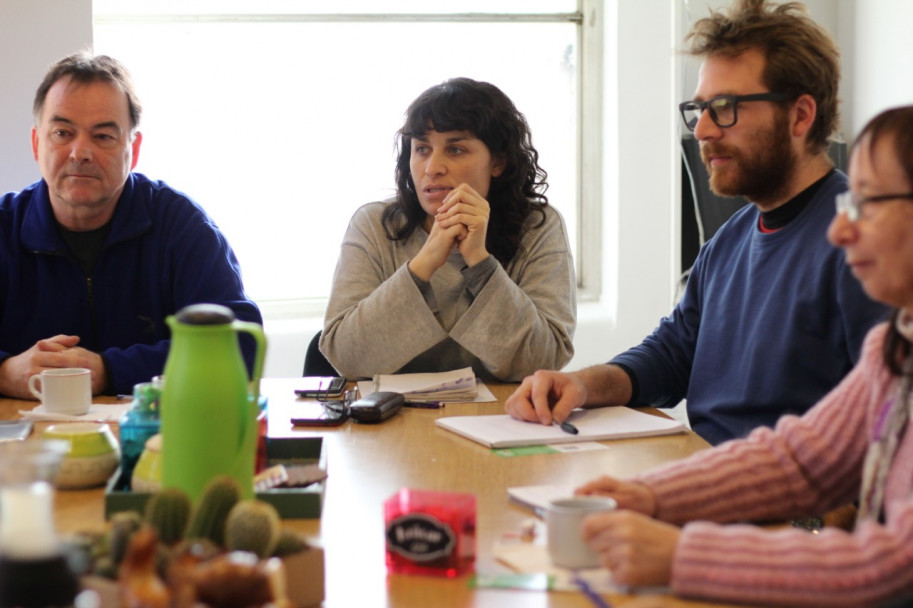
(367, 464)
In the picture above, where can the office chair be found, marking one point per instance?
(315, 364)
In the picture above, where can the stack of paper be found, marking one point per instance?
(456, 385)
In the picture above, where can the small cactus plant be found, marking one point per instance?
(289, 543)
(105, 567)
(123, 526)
(254, 526)
(168, 512)
(219, 497)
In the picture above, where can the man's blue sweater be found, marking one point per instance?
(162, 253)
(768, 324)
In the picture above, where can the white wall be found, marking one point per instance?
(883, 61)
(640, 177)
(641, 171)
(33, 35)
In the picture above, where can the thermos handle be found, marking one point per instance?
(255, 330)
(249, 435)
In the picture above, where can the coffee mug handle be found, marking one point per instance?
(33, 380)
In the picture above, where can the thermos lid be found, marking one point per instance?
(205, 314)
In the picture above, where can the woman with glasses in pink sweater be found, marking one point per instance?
(681, 525)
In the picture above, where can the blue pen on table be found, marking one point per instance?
(565, 426)
(426, 405)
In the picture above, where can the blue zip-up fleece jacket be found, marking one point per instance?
(163, 252)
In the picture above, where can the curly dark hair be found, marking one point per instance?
(896, 124)
(800, 56)
(463, 104)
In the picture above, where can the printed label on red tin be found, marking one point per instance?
(420, 537)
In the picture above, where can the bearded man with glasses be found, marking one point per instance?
(771, 318)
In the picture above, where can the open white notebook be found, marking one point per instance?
(502, 431)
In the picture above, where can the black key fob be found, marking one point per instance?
(376, 407)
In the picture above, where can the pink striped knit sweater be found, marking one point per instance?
(807, 465)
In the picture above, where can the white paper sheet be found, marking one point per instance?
(98, 412)
(536, 498)
(531, 558)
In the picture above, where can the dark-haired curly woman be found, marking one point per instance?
(467, 265)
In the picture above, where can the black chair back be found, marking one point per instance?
(315, 364)
(708, 210)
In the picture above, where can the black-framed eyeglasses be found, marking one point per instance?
(723, 108)
(851, 203)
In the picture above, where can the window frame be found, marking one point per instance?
(589, 17)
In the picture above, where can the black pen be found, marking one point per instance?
(426, 405)
(565, 426)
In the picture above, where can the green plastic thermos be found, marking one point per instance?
(208, 405)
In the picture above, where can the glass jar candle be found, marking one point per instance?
(33, 569)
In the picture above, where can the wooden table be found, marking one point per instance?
(369, 463)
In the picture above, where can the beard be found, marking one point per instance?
(761, 172)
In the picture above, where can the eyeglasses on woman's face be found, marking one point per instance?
(851, 203)
(723, 108)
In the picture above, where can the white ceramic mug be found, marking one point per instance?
(564, 522)
(65, 390)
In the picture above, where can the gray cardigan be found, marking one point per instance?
(505, 324)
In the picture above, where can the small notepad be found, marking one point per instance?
(597, 424)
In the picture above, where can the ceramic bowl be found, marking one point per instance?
(147, 475)
(93, 454)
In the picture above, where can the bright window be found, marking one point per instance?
(281, 122)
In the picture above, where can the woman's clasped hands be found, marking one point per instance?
(464, 213)
(462, 222)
